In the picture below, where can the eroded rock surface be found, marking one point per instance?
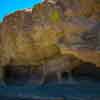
(34, 35)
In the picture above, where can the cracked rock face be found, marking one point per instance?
(86, 40)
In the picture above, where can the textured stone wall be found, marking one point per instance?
(29, 37)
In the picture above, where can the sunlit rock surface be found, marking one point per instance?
(32, 36)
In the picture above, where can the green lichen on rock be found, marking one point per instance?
(55, 16)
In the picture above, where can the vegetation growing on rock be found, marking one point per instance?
(55, 17)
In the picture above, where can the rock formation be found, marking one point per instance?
(31, 36)
(58, 65)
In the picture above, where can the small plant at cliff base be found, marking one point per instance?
(55, 17)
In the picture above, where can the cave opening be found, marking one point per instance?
(21, 74)
(16, 74)
(86, 70)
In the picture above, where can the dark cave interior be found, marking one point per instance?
(24, 74)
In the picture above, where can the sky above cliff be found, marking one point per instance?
(10, 6)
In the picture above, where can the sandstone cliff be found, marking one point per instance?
(47, 30)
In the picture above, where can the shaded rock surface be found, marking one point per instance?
(29, 74)
(84, 70)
